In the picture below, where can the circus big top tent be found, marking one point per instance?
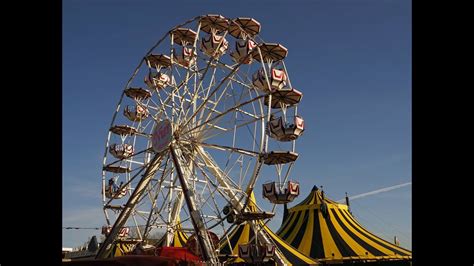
(326, 230)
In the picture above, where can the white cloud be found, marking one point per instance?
(374, 192)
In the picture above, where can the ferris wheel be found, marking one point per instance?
(197, 126)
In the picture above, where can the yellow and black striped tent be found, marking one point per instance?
(325, 230)
(244, 233)
(120, 248)
(179, 238)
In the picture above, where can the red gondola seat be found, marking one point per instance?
(280, 195)
(243, 49)
(282, 131)
(276, 77)
(136, 113)
(214, 44)
(157, 80)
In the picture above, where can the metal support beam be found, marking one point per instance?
(207, 251)
(130, 205)
(236, 203)
(177, 204)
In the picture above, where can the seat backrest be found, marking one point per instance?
(299, 122)
(268, 189)
(278, 74)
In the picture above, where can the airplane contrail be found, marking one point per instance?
(376, 191)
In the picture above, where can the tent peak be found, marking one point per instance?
(314, 188)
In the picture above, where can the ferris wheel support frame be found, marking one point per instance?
(236, 203)
(130, 205)
(196, 218)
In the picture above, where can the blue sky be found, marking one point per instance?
(350, 58)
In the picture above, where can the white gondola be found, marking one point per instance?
(233, 216)
(121, 151)
(243, 49)
(109, 193)
(123, 130)
(183, 36)
(136, 113)
(138, 94)
(279, 157)
(214, 44)
(269, 52)
(186, 56)
(240, 217)
(281, 131)
(281, 194)
(124, 231)
(158, 61)
(106, 230)
(286, 96)
(256, 253)
(157, 80)
(210, 23)
(277, 79)
(242, 27)
(117, 169)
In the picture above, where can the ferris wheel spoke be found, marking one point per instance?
(199, 85)
(243, 174)
(203, 91)
(143, 128)
(155, 190)
(222, 99)
(212, 93)
(243, 81)
(137, 227)
(215, 103)
(219, 188)
(125, 158)
(224, 113)
(176, 96)
(207, 133)
(212, 109)
(241, 112)
(163, 108)
(155, 210)
(242, 95)
(223, 180)
(148, 194)
(231, 130)
(167, 100)
(127, 184)
(230, 149)
(183, 110)
(216, 207)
